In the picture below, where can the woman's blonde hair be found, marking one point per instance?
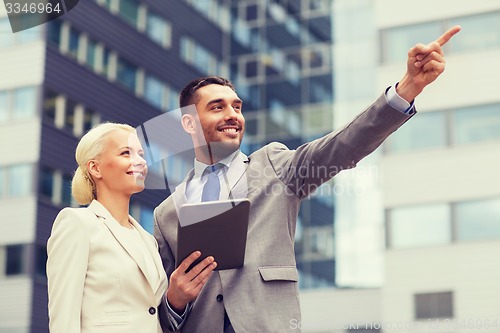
(91, 145)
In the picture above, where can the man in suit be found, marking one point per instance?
(263, 295)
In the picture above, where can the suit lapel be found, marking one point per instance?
(116, 230)
(179, 195)
(237, 185)
(153, 251)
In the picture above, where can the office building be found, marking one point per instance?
(281, 63)
(435, 195)
(125, 61)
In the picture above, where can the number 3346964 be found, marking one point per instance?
(32, 8)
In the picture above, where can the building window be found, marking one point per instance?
(411, 138)
(21, 178)
(54, 32)
(66, 198)
(50, 106)
(474, 124)
(419, 226)
(146, 219)
(129, 11)
(69, 115)
(198, 56)
(73, 42)
(365, 330)
(478, 32)
(454, 127)
(292, 72)
(109, 4)
(90, 119)
(105, 67)
(64, 113)
(250, 12)
(397, 41)
(3, 181)
(434, 305)
(172, 99)
(154, 92)
(319, 7)
(216, 11)
(15, 263)
(24, 103)
(126, 74)
(316, 58)
(478, 219)
(56, 186)
(4, 106)
(252, 67)
(16, 181)
(41, 261)
(46, 182)
(91, 59)
(241, 32)
(101, 59)
(158, 30)
(8, 38)
(6, 33)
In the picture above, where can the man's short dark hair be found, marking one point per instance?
(188, 94)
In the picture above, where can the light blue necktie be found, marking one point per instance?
(211, 190)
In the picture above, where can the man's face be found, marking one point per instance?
(220, 114)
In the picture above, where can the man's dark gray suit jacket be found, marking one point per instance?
(263, 295)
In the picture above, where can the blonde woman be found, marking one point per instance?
(104, 271)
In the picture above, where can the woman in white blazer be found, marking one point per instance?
(104, 271)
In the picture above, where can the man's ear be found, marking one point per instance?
(93, 168)
(188, 123)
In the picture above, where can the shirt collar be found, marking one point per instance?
(199, 167)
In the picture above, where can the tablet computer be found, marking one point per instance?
(216, 228)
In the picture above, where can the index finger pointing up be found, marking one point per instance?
(447, 35)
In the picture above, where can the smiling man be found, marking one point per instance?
(219, 116)
(262, 296)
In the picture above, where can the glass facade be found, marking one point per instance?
(281, 65)
(20, 180)
(478, 219)
(476, 124)
(129, 11)
(3, 181)
(419, 226)
(8, 39)
(15, 263)
(479, 32)
(439, 224)
(4, 106)
(18, 104)
(126, 74)
(433, 124)
(158, 29)
(447, 129)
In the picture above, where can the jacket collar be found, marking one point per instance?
(132, 249)
(235, 182)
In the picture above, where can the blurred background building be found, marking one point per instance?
(427, 209)
(126, 61)
(417, 224)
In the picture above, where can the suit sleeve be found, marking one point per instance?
(167, 257)
(313, 163)
(169, 320)
(68, 254)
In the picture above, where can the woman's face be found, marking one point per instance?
(121, 168)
